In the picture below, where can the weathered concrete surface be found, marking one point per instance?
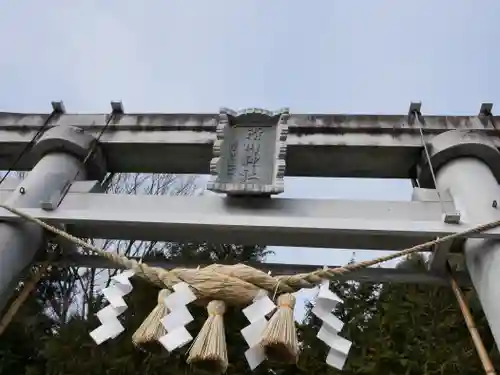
(466, 166)
(326, 223)
(384, 146)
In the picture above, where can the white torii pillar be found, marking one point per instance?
(60, 153)
(468, 166)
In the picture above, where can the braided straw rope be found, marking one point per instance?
(238, 284)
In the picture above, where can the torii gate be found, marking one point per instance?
(453, 161)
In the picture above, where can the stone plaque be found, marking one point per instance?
(249, 152)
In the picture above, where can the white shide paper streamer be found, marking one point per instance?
(326, 301)
(176, 320)
(256, 315)
(108, 316)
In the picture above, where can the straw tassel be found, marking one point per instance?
(209, 350)
(279, 339)
(151, 329)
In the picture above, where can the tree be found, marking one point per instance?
(358, 307)
(411, 329)
(20, 345)
(394, 329)
(72, 351)
(66, 301)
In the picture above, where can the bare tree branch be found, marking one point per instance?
(78, 293)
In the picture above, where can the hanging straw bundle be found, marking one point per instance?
(151, 329)
(209, 350)
(279, 339)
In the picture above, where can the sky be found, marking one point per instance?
(318, 56)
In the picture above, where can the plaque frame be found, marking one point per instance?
(244, 118)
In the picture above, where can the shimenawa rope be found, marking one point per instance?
(238, 284)
(212, 282)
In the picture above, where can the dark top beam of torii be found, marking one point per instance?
(318, 145)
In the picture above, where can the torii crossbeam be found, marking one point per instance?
(464, 192)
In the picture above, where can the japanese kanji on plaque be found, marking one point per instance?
(249, 152)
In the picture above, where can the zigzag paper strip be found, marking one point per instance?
(108, 316)
(175, 321)
(256, 315)
(326, 301)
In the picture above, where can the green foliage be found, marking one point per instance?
(395, 329)
(406, 329)
(21, 343)
(67, 349)
(360, 303)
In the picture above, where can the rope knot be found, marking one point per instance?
(286, 300)
(216, 307)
